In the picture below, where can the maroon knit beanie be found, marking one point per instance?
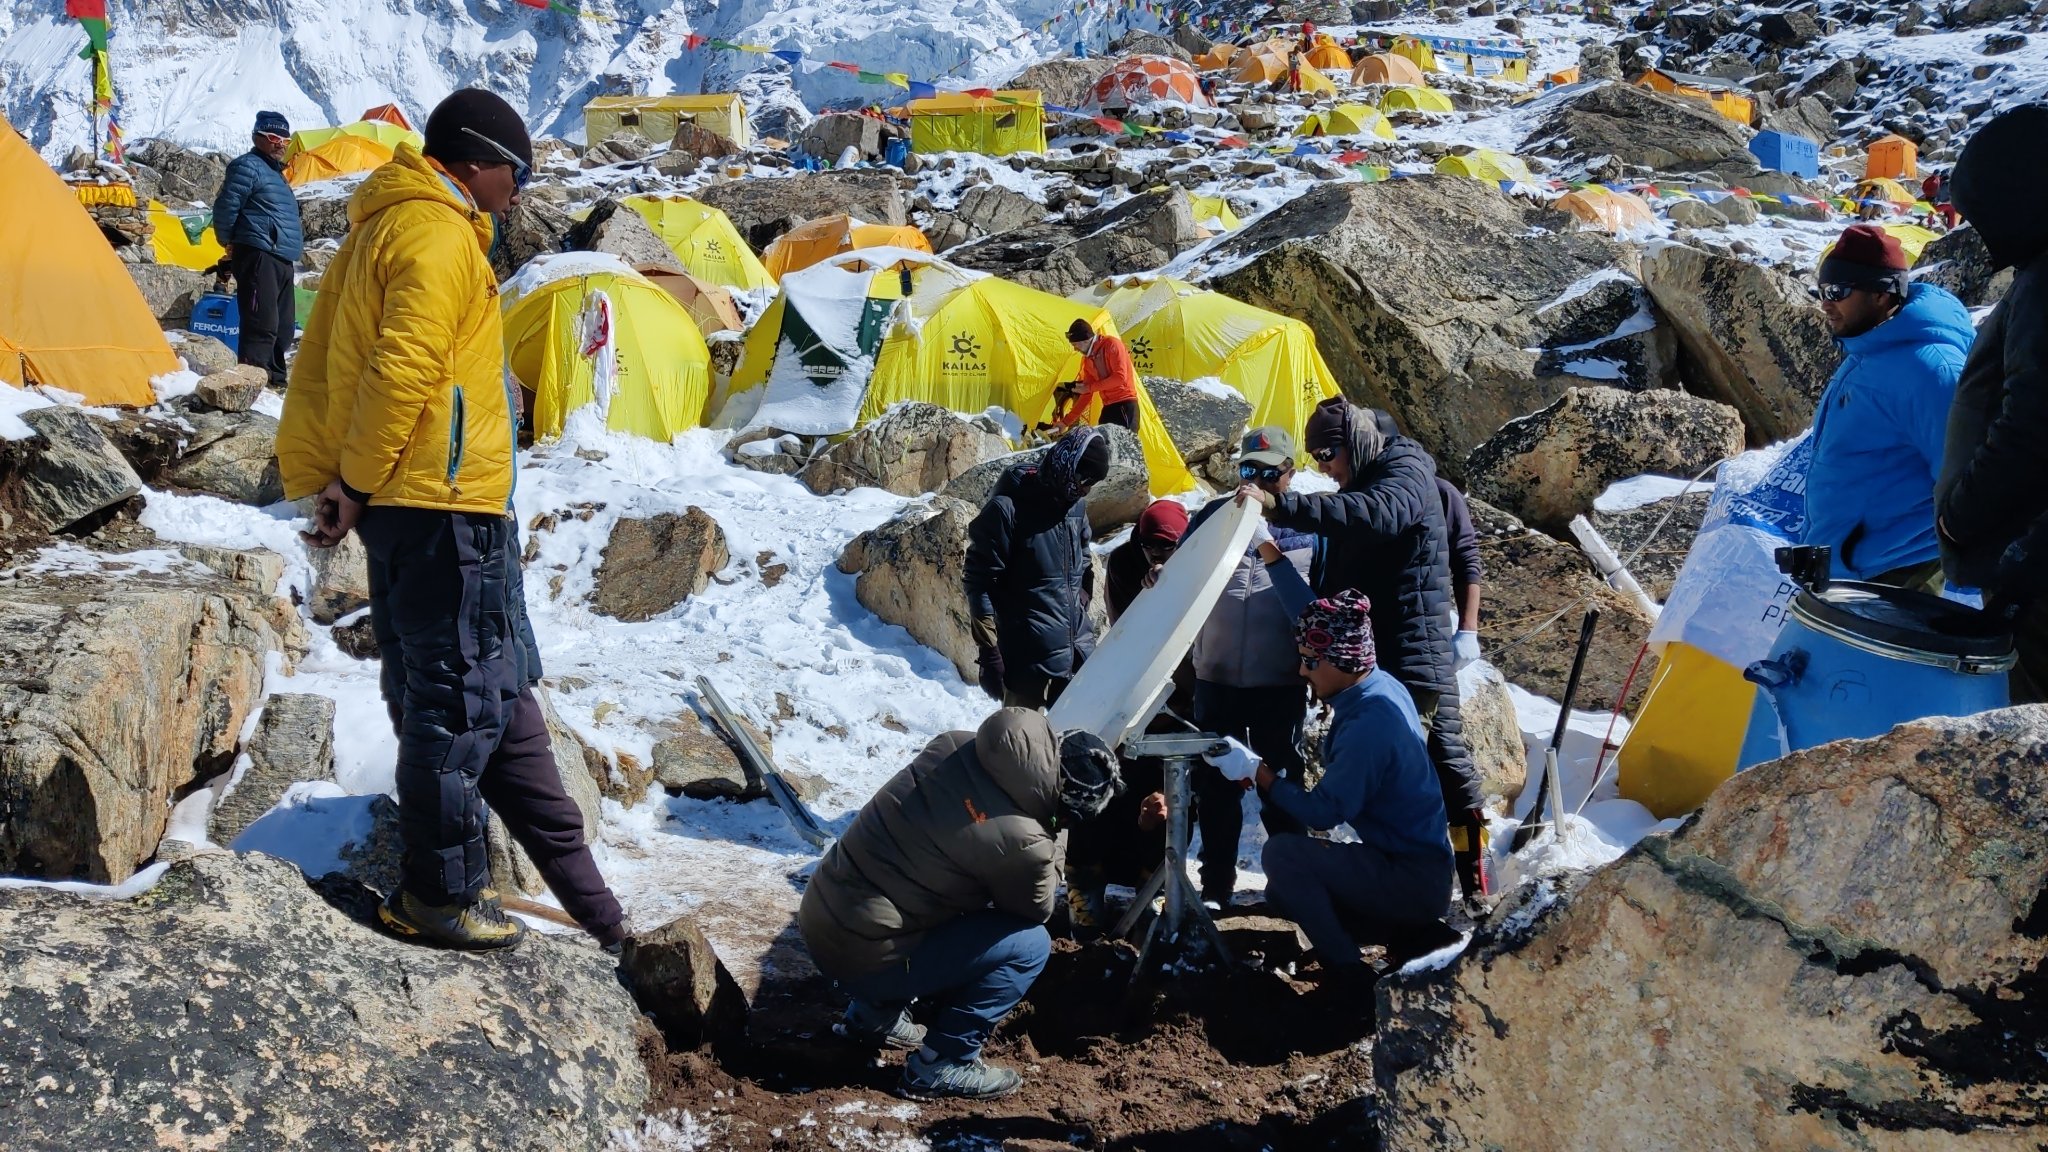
(1866, 256)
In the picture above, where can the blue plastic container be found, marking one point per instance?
(216, 315)
(1854, 660)
(1784, 152)
(896, 152)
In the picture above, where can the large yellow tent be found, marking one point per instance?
(1412, 99)
(828, 236)
(70, 315)
(1730, 100)
(1607, 211)
(1486, 164)
(1182, 332)
(1262, 64)
(381, 132)
(1883, 188)
(994, 125)
(1213, 214)
(1387, 68)
(1347, 120)
(174, 243)
(860, 332)
(1218, 56)
(1306, 77)
(1327, 53)
(341, 155)
(658, 118)
(1416, 52)
(703, 238)
(614, 339)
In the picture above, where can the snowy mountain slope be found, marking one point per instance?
(196, 71)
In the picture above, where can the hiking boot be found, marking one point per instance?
(474, 927)
(1087, 912)
(929, 1078)
(857, 1026)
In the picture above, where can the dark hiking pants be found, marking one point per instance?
(264, 298)
(447, 606)
(1458, 776)
(1321, 885)
(1123, 413)
(1269, 721)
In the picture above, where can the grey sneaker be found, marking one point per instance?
(929, 1078)
(859, 1028)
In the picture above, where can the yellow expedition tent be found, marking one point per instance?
(1607, 211)
(1327, 53)
(606, 336)
(382, 132)
(828, 236)
(1213, 214)
(994, 125)
(177, 243)
(1406, 98)
(703, 238)
(1387, 68)
(862, 331)
(70, 315)
(342, 155)
(1347, 120)
(1218, 56)
(1185, 333)
(1416, 52)
(658, 118)
(1487, 164)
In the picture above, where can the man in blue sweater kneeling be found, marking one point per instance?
(1377, 778)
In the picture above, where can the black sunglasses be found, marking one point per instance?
(1266, 472)
(521, 170)
(1324, 455)
(1311, 662)
(1832, 293)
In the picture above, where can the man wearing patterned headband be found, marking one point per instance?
(1377, 777)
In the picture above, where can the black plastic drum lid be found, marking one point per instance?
(1905, 619)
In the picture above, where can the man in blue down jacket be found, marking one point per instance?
(257, 220)
(1993, 495)
(1877, 431)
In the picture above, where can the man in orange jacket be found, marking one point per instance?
(1105, 369)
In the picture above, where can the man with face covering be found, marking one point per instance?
(1029, 574)
(1992, 499)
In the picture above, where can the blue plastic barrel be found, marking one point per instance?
(1855, 660)
(217, 316)
(896, 152)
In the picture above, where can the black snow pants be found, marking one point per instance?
(267, 304)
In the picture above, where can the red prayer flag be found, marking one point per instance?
(540, 4)
(693, 42)
(86, 9)
(843, 66)
(1109, 125)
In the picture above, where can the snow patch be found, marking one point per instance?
(1638, 491)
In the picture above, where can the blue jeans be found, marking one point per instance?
(1316, 883)
(973, 969)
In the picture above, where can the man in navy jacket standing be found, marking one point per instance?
(257, 219)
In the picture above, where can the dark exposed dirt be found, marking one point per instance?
(1238, 1058)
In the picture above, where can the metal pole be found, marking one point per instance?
(1176, 842)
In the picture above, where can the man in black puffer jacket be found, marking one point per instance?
(1991, 501)
(1029, 573)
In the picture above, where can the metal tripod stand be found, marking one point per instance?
(1184, 914)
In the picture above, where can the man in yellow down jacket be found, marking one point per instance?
(399, 419)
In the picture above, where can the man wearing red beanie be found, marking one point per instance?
(1877, 431)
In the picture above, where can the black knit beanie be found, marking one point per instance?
(1088, 775)
(1079, 330)
(1095, 460)
(484, 114)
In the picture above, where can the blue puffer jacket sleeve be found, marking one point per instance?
(255, 207)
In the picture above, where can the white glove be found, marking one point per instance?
(1465, 646)
(1260, 533)
(1236, 761)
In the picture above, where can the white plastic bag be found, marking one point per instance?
(1730, 599)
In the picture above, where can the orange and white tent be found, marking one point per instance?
(1387, 68)
(1602, 210)
(817, 241)
(1327, 53)
(390, 114)
(1138, 80)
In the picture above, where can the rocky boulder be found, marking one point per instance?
(170, 291)
(1640, 128)
(1436, 287)
(1115, 502)
(1695, 214)
(150, 443)
(237, 1006)
(68, 471)
(1599, 61)
(1067, 82)
(294, 741)
(1750, 336)
(1492, 733)
(678, 979)
(1135, 235)
(911, 449)
(1841, 950)
(828, 137)
(324, 217)
(625, 234)
(992, 209)
(1206, 422)
(652, 565)
(532, 229)
(908, 573)
(120, 685)
(183, 176)
(1549, 466)
(694, 144)
(763, 209)
(341, 577)
(202, 354)
(232, 389)
(1803, 116)
(1959, 262)
(1531, 578)
(1138, 42)
(1794, 29)
(230, 455)
(696, 762)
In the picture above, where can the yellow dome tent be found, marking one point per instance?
(1327, 53)
(1411, 99)
(828, 236)
(1416, 52)
(1347, 120)
(852, 336)
(606, 336)
(1213, 214)
(703, 238)
(1883, 188)
(70, 315)
(1182, 332)
(1387, 68)
(995, 125)
(1305, 77)
(342, 155)
(1486, 164)
(176, 244)
(1218, 56)
(1261, 63)
(381, 132)
(1607, 211)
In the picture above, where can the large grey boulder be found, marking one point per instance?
(231, 455)
(294, 741)
(678, 979)
(762, 208)
(908, 573)
(65, 473)
(235, 1005)
(692, 760)
(651, 565)
(202, 354)
(1841, 950)
(183, 175)
(1640, 128)
(625, 234)
(1752, 337)
(1959, 262)
(341, 577)
(232, 389)
(1115, 502)
(534, 228)
(828, 137)
(170, 291)
(991, 209)
(1445, 302)
(1493, 734)
(1063, 257)
(119, 687)
(1551, 465)
(1205, 423)
(1067, 82)
(911, 449)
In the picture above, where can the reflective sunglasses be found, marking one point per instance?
(521, 171)
(1832, 293)
(1311, 662)
(1266, 472)
(1324, 455)
(275, 138)
(1158, 553)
